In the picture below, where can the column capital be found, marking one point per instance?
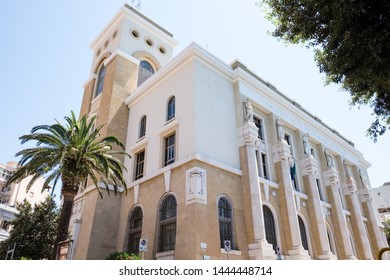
(365, 195)
(248, 135)
(309, 166)
(331, 177)
(351, 186)
(281, 151)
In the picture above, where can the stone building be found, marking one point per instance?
(381, 196)
(223, 165)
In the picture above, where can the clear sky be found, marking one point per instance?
(46, 60)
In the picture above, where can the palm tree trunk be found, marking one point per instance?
(63, 225)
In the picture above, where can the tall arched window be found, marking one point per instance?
(135, 230)
(171, 108)
(225, 214)
(167, 224)
(142, 127)
(145, 71)
(100, 79)
(270, 230)
(302, 230)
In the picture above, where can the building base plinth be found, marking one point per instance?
(298, 254)
(261, 251)
(327, 256)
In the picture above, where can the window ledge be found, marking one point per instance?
(140, 143)
(168, 255)
(232, 252)
(168, 126)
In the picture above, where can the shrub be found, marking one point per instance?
(123, 256)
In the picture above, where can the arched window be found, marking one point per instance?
(225, 214)
(332, 246)
(171, 108)
(135, 230)
(302, 230)
(100, 80)
(145, 71)
(270, 230)
(142, 127)
(167, 224)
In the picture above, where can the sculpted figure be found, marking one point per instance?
(363, 178)
(280, 130)
(306, 144)
(346, 169)
(328, 157)
(248, 111)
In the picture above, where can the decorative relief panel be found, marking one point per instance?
(196, 185)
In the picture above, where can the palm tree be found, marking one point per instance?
(71, 153)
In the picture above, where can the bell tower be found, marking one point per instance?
(129, 50)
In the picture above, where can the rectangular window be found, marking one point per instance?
(259, 125)
(169, 149)
(139, 165)
(293, 168)
(319, 189)
(264, 165)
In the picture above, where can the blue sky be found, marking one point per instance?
(46, 59)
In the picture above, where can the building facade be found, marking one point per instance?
(381, 196)
(16, 193)
(223, 165)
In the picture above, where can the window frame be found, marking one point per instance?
(226, 223)
(134, 233)
(144, 73)
(100, 79)
(167, 224)
(171, 108)
(142, 127)
(139, 165)
(168, 149)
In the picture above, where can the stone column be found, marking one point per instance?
(361, 238)
(309, 169)
(259, 248)
(331, 178)
(372, 223)
(368, 210)
(289, 216)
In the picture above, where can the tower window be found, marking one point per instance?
(145, 71)
(100, 80)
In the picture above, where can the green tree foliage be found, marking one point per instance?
(72, 153)
(352, 46)
(387, 229)
(33, 231)
(123, 256)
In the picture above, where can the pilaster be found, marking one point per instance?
(361, 238)
(258, 246)
(289, 220)
(331, 178)
(372, 223)
(309, 169)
